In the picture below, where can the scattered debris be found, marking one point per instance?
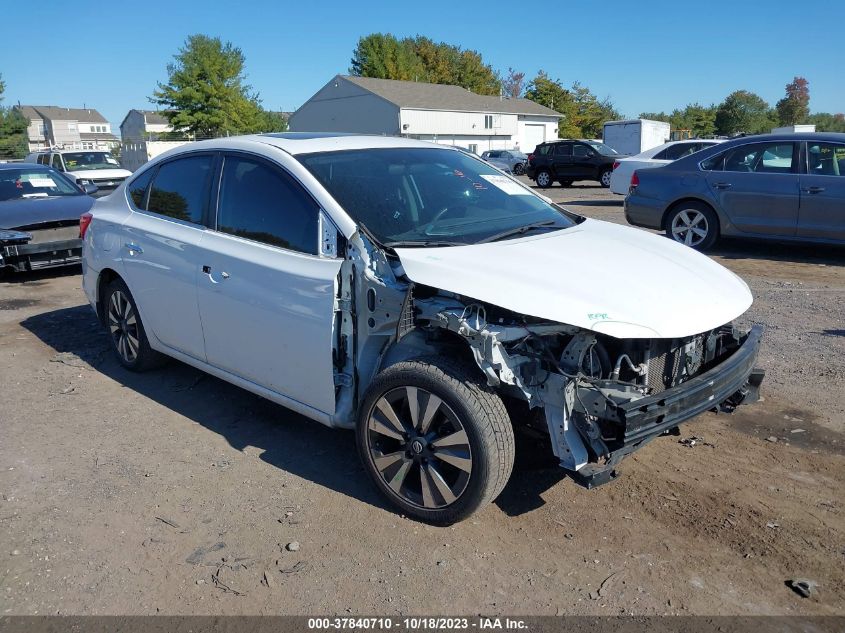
(670, 497)
(300, 566)
(71, 359)
(215, 578)
(267, 580)
(441, 563)
(804, 588)
(66, 391)
(197, 555)
(772, 439)
(604, 583)
(16, 552)
(773, 525)
(172, 524)
(293, 546)
(798, 431)
(569, 536)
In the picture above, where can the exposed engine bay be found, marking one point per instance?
(596, 396)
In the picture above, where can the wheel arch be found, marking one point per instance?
(686, 199)
(106, 276)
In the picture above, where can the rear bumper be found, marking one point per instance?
(44, 255)
(732, 382)
(645, 212)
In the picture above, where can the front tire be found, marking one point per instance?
(694, 224)
(604, 178)
(435, 439)
(518, 169)
(544, 179)
(126, 331)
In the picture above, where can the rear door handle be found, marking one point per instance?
(134, 248)
(812, 189)
(722, 185)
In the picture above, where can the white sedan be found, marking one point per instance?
(421, 297)
(623, 169)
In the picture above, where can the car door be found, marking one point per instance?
(584, 161)
(160, 248)
(822, 209)
(561, 161)
(266, 296)
(756, 186)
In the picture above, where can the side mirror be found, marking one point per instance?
(90, 188)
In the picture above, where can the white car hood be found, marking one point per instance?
(604, 277)
(100, 174)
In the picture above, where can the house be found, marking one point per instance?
(67, 128)
(140, 133)
(441, 113)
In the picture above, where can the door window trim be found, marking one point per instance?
(203, 224)
(214, 207)
(805, 158)
(799, 166)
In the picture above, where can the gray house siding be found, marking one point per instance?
(341, 106)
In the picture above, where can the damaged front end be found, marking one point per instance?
(601, 398)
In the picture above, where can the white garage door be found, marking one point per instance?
(534, 135)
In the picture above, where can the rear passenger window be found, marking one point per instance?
(826, 159)
(262, 203)
(773, 158)
(180, 188)
(563, 149)
(138, 188)
(542, 150)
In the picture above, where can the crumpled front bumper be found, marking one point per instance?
(732, 382)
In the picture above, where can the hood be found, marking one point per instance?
(98, 174)
(604, 277)
(30, 211)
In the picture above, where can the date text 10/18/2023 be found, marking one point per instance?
(416, 623)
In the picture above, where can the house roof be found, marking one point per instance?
(97, 136)
(28, 112)
(154, 117)
(425, 96)
(56, 113)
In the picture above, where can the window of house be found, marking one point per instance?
(262, 203)
(488, 121)
(473, 147)
(180, 189)
(71, 126)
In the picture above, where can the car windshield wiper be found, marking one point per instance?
(519, 230)
(423, 243)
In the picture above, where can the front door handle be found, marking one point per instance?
(812, 189)
(134, 248)
(722, 185)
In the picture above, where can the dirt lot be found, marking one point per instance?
(173, 492)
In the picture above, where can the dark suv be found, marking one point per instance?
(570, 160)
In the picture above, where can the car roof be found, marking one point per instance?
(25, 166)
(834, 137)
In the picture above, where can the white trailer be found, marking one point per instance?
(790, 129)
(635, 135)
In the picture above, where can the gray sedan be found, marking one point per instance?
(507, 159)
(771, 186)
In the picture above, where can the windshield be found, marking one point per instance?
(601, 148)
(34, 183)
(421, 196)
(89, 160)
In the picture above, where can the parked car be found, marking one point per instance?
(568, 160)
(409, 291)
(84, 167)
(620, 179)
(772, 186)
(43, 204)
(515, 161)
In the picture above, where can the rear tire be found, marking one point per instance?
(604, 178)
(435, 440)
(544, 179)
(694, 224)
(126, 331)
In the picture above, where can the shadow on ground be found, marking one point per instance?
(289, 441)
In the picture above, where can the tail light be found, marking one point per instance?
(84, 223)
(635, 180)
(615, 164)
(530, 157)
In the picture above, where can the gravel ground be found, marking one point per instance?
(173, 492)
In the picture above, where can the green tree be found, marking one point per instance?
(583, 113)
(205, 94)
(698, 119)
(743, 111)
(383, 56)
(13, 137)
(827, 122)
(270, 121)
(551, 93)
(795, 106)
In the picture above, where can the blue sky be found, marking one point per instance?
(647, 56)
